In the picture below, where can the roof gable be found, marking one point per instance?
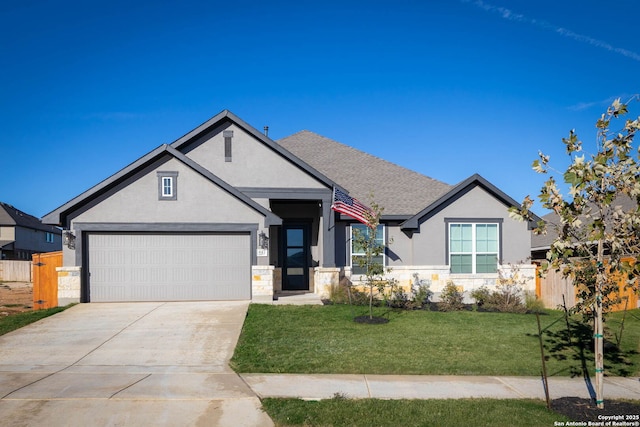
(401, 191)
(224, 120)
(98, 192)
(456, 193)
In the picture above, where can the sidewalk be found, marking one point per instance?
(314, 387)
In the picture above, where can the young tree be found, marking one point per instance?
(594, 231)
(368, 244)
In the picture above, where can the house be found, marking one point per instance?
(22, 235)
(555, 290)
(226, 213)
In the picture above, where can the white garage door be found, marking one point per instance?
(169, 267)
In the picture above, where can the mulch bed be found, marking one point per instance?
(585, 410)
(371, 320)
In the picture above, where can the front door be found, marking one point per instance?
(295, 268)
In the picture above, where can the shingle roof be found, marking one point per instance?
(544, 241)
(14, 217)
(399, 190)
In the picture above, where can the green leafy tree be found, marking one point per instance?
(595, 234)
(369, 246)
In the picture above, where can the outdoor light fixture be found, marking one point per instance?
(263, 240)
(69, 239)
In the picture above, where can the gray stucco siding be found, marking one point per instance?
(430, 243)
(198, 200)
(252, 164)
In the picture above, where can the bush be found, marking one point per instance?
(451, 298)
(481, 295)
(533, 303)
(345, 293)
(422, 293)
(507, 296)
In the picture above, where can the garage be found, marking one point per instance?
(168, 266)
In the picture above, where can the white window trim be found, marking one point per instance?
(167, 184)
(474, 251)
(351, 253)
(172, 177)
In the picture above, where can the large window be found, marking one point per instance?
(473, 247)
(357, 252)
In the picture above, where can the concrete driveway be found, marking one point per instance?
(128, 364)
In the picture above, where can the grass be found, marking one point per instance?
(324, 339)
(408, 413)
(19, 320)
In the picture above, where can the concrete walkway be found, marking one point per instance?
(314, 387)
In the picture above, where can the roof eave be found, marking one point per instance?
(460, 189)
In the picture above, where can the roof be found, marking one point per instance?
(222, 120)
(458, 191)
(544, 241)
(11, 216)
(60, 215)
(401, 191)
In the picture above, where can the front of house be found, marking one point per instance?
(226, 213)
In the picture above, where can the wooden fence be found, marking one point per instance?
(553, 287)
(15, 271)
(45, 279)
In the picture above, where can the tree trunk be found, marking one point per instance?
(599, 329)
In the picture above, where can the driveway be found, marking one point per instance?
(128, 364)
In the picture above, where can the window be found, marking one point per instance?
(167, 185)
(49, 237)
(473, 247)
(358, 252)
(227, 135)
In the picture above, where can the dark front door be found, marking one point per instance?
(295, 268)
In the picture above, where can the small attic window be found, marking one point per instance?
(167, 185)
(228, 135)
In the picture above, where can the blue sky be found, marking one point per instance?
(447, 88)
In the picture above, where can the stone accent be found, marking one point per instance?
(262, 278)
(68, 285)
(324, 278)
(437, 276)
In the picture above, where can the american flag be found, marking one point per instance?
(349, 206)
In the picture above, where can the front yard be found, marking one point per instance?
(324, 339)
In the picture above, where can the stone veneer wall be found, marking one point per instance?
(438, 276)
(262, 278)
(68, 285)
(324, 278)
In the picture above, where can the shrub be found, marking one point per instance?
(507, 296)
(421, 290)
(481, 295)
(397, 297)
(451, 298)
(345, 293)
(533, 303)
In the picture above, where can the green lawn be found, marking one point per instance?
(324, 339)
(409, 413)
(19, 320)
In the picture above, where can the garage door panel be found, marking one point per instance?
(169, 267)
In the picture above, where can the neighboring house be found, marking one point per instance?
(224, 212)
(555, 290)
(22, 235)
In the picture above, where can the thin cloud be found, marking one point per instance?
(112, 115)
(603, 103)
(509, 15)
